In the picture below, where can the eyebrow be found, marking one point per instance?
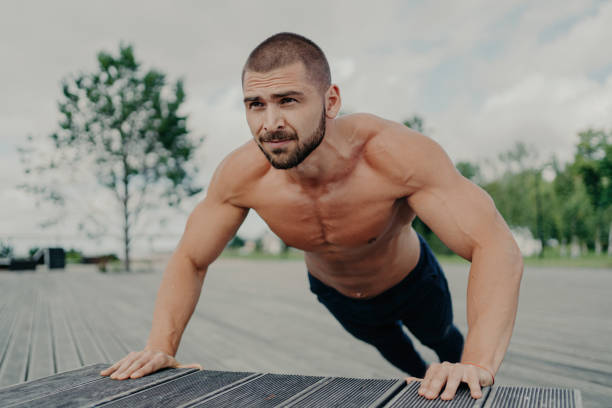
(275, 96)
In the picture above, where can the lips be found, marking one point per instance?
(278, 142)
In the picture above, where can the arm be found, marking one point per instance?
(209, 227)
(464, 217)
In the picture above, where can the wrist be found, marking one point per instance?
(488, 370)
(161, 348)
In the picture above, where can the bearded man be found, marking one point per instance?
(346, 190)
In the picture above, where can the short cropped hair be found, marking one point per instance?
(284, 49)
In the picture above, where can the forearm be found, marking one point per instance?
(176, 300)
(492, 301)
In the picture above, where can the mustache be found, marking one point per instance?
(278, 135)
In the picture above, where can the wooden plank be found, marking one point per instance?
(15, 365)
(268, 390)
(21, 393)
(86, 345)
(350, 393)
(41, 363)
(99, 323)
(8, 320)
(65, 350)
(182, 390)
(104, 390)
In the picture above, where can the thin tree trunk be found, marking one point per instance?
(539, 215)
(126, 216)
(563, 248)
(597, 240)
(610, 240)
(575, 247)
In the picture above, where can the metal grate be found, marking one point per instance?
(409, 397)
(347, 393)
(266, 391)
(531, 397)
(181, 390)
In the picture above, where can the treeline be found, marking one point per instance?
(565, 206)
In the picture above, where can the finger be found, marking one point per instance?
(437, 381)
(452, 383)
(125, 363)
(152, 364)
(427, 380)
(411, 379)
(111, 369)
(473, 381)
(148, 368)
(133, 367)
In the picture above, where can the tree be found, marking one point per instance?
(6, 250)
(573, 212)
(127, 122)
(521, 194)
(416, 123)
(470, 171)
(593, 162)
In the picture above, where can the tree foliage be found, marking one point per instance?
(572, 204)
(126, 122)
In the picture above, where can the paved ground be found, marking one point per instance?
(261, 317)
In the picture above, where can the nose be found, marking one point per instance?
(273, 119)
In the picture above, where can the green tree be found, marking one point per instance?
(573, 214)
(6, 250)
(470, 171)
(521, 194)
(593, 162)
(236, 242)
(416, 122)
(126, 122)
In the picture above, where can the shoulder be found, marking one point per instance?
(403, 155)
(238, 172)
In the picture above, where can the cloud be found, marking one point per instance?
(483, 74)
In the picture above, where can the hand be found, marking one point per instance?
(452, 375)
(141, 363)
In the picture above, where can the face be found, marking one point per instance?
(286, 114)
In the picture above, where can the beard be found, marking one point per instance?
(292, 159)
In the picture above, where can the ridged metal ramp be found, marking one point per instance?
(191, 388)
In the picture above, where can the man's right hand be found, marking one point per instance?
(140, 363)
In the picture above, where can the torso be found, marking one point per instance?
(356, 231)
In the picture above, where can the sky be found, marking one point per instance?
(482, 74)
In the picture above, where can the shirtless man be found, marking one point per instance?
(346, 190)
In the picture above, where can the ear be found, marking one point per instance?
(333, 103)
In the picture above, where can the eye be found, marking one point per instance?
(255, 104)
(287, 100)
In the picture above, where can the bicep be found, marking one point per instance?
(458, 211)
(209, 228)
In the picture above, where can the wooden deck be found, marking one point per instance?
(184, 388)
(261, 317)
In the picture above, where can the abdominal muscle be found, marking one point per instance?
(363, 273)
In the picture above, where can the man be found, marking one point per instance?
(346, 190)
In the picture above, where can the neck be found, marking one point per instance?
(326, 163)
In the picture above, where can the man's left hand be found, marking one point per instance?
(452, 375)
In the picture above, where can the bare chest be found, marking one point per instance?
(348, 214)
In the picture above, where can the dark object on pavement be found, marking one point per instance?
(207, 388)
(22, 264)
(54, 258)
